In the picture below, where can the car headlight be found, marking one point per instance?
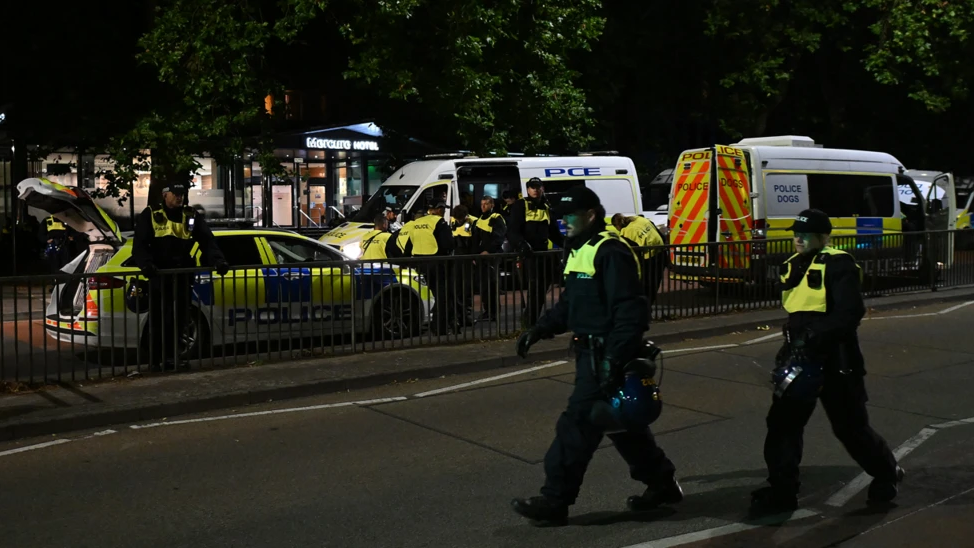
(353, 250)
(418, 278)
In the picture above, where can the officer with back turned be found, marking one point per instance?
(820, 359)
(604, 305)
(164, 236)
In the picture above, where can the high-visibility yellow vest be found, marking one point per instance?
(164, 228)
(54, 225)
(424, 243)
(463, 230)
(810, 295)
(484, 224)
(535, 215)
(402, 237)
(582, 260)
(374, 245)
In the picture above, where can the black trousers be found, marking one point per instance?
(844, 399)
(576, 440)
(537, 275)
(438, 275)
(653, 275)
(169, 302)
(487, 286)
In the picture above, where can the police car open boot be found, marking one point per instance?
(542, 509)
(768, 500)
(881, 491)
(654, 497)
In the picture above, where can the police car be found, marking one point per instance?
(281, 285)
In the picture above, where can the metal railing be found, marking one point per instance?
(113, 322)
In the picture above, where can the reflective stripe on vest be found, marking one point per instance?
(582, 260)
(535, 215)
(810, 295)
(424, 243)
(484, 224)
(374, 244)
(54, 224)
(164, 228)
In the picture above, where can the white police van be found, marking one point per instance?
(456, 179)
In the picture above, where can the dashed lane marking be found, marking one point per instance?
(725, 530)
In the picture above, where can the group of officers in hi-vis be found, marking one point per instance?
(522, 224)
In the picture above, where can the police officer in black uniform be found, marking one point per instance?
(530, 229)
(821, 293)
(430, 236)
(164, 237)
(604, 305)
(489, 232)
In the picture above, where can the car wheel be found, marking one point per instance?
(396, 315)
(194, 342)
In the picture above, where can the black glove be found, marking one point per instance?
(150, 270)
(526, 341)
(222, 268)
(524, 249)
(610, 377)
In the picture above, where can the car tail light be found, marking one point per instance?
(91, 307)
(105, 282)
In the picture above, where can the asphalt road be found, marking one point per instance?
(440, 470)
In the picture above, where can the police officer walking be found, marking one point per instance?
(489, 232)
(532, 229)
(430, 236)
(604, 306)
(820, 359)
(164, 237)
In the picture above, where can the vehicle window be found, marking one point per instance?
(295, 250)
(429, 197)
(239, 250)
(475, 182)
(842, 195)
(394, 196)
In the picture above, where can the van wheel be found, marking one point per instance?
(396, 315)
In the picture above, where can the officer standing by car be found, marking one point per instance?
(375, 244)
(55, 237)
(531, 229)
(164, 236)
(603, 304)
(430, 236)
(489, 232)
(820, 359)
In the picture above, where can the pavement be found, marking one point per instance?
(435, 460)
(107, 396)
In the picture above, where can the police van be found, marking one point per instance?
(456, 179)
(743, 194)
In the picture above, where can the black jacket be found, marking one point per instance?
(611, 304)
(832, 335)
(172, 252)
(534, 233)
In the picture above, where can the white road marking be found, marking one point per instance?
(488, 379)
(99, 434)
(958, 307)
(917, 511)
(270, 412)
(33, 447)
(762, 339)
(874, 318)
(850, 490)
(730, 529)
(715, 347)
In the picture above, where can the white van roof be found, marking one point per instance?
(417, 173)
(778, 141)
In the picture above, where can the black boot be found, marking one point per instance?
(542, 509)
(769, 500)
(885, 490)
(655, 496)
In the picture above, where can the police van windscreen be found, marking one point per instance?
(657, 192)
(392, 196)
